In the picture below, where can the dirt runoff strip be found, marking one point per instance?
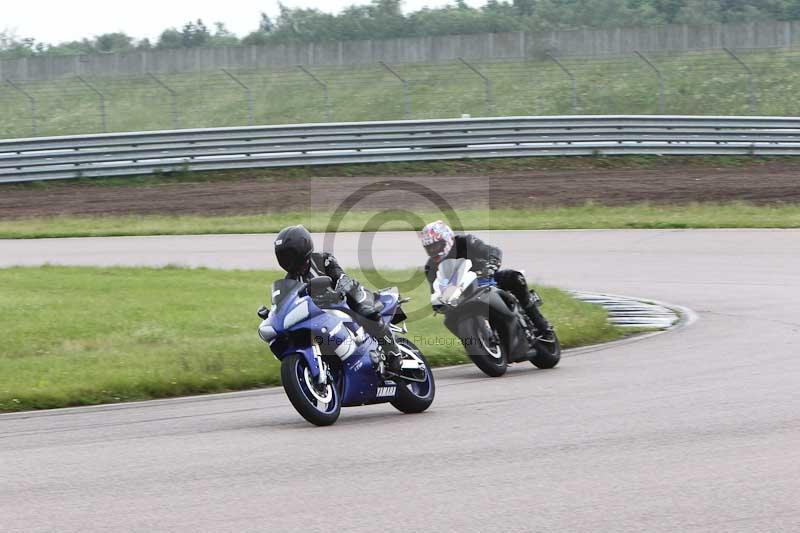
(760, 184)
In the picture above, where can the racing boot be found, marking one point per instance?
(544, 330)
(391, 352)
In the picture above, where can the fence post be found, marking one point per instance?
(31, 101)
(487, 83)
(660, 80)
(325, 94)
(406, 98)
(102, 97)
(572, 80)
(750, 87)
(248, 93)
(173, 98)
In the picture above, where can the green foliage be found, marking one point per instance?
(79, 336)
(170, 38)
(193, 34)
(384, 19)
(196, 34)
(12, 45)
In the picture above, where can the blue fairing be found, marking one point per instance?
(333, 331)
(308, 354)
(389, 300)
(486, 282)
(314, 318)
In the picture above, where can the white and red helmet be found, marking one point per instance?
(437, 239)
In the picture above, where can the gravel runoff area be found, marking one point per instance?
(761, 184)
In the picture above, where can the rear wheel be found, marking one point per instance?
(484, 347)
(320, 404)
(548, 352)
(414, 396)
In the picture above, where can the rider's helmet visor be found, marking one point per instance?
(436, 249)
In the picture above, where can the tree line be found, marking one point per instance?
(384, 19)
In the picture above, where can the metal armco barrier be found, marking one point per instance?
(128, 154)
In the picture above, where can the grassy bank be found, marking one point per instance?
(694, 83)
(80, 336)
(590, 216)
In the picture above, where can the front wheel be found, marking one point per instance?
(319, 404)
(548, 352)
(484, 346)
(414, 396)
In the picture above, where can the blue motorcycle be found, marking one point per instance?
(329, 361)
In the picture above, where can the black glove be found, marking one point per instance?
(331, 266)
(345, 284)
(488, 268)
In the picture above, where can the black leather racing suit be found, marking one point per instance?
(359, 299)
(487, 258)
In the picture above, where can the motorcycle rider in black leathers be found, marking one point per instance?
(294, 250)
(441, 243)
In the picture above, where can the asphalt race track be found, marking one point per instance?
(697, 429)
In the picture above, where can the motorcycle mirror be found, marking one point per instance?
(319, 286)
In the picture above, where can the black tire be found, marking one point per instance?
(548, 354)
(293, 369)
(412, 396)
(481, 340)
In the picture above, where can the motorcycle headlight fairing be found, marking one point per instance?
(266, 331)
(450, 295)
(297, 314)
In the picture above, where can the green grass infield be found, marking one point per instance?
(588, 216)
(82, 336)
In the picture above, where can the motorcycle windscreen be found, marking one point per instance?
(283, 290)
(452, 270)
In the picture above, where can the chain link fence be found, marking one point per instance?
(700, 83)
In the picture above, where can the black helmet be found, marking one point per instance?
(293, 246)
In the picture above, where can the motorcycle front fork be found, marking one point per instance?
(324, 374)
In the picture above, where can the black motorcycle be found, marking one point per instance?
(489, 321)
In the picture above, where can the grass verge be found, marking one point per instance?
(83, 336)
(588, 216)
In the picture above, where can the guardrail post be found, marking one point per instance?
(572, 80)
(103, 118)
(750, 84)
(406, 97)
(31, 102)
(173, 98)
(248, 93)
(487, 83)
(660, 80)
(325, 94)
